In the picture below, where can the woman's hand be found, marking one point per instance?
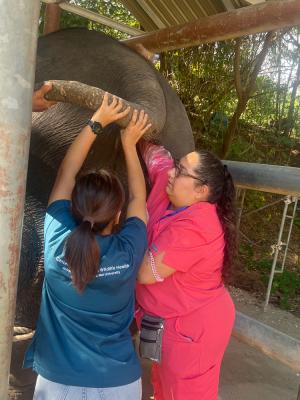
(39, 103)
(108, 113)
(136, 128)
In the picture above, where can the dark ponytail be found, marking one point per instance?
(96, 200)
(222, 193)
(227, 212)
(82, 254)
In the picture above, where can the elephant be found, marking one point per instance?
(95, 59)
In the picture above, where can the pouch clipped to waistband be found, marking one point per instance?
(151, 337)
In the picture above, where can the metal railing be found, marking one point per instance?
(271, 179)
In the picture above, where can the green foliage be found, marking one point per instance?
(287, 285)
(202, 76)
(42, 19)
(297, 221)
(246, 250)
(255, 200)
(264, 265)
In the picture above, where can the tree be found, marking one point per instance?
(244, 79)
(291, 111)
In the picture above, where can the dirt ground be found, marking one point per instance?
(252, 306)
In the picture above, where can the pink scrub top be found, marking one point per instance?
(193, 241)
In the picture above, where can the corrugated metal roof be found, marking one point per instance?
(158, 14)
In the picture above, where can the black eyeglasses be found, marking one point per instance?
(181, 171)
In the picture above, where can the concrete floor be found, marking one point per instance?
(247, 374)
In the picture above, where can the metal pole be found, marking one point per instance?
(52, 18)
(278, 246)
(18, 33)
(264, 207)
(268, 16)
(101, 19)
(242, 193)
(292, 217)
(265, 177)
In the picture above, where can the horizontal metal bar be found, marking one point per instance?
(263, 208)
(265, 177)
(101, 19)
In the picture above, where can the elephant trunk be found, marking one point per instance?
(91, 97)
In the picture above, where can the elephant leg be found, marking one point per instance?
(21, 381)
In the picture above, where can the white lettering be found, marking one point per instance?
(104, 271)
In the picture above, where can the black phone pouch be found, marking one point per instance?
(151, 337)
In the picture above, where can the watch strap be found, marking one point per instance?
(96, 126)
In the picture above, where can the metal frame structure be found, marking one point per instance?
(278, 246)
(289, 201)
(17, 52)
(271, 179)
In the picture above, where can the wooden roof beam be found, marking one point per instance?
(269, 16)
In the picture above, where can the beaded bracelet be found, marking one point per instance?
(156, 275)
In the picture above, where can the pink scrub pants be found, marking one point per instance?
(192, 353)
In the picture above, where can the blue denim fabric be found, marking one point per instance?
(47, 390)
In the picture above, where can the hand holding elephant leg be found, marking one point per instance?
(86, 96)
(110, 112)
(39, 102)
(136, 128)
(78, 151)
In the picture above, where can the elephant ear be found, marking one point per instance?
(91, 97)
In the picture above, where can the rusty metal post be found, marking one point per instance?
(18, 33)
(52, 18)
(268, 16)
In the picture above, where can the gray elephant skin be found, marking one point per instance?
(97, 60)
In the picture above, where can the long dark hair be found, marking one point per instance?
(215, 174)
(97, 198)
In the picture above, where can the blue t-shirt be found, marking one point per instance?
(84, 339)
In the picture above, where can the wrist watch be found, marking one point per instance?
(96, 127)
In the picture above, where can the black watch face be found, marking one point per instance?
(97, 128)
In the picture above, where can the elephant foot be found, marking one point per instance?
(24, 393)
(21, 381)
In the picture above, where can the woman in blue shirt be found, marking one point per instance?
(82, 347)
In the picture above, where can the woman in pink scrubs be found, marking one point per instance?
(192, 243)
